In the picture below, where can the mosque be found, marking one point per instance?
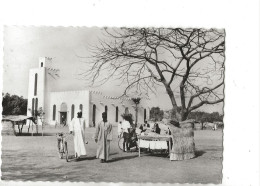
(61, 107)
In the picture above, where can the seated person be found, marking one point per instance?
(157, 129)
(146, 125)
(142, 128)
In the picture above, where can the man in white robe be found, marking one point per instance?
(77, 128)
(103, 136)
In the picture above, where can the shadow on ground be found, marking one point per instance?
(122, 158)
(199, 153)
(35, 134)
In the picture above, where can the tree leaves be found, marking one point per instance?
(14, 105)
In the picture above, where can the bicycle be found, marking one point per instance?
(62, 145)
(133, 141)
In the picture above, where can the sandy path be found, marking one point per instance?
(35, 159)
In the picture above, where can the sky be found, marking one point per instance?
(24, 45)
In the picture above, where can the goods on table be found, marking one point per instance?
(152, 140)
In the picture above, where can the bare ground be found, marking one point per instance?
(35, 158)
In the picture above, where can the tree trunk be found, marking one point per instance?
(173, 101)
(184, 115)
(136, 114)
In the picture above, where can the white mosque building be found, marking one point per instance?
(61, 107)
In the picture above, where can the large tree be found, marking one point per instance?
(188, 63)
(13, 105)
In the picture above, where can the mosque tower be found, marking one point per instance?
(40, 86)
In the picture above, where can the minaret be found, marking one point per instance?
(39, 86)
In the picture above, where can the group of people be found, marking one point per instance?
(146, 125)
(103, 136)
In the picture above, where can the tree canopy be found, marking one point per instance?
(188, 63)
(14, 105)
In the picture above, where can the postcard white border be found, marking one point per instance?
(240, 19)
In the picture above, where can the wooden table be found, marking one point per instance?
(155, 138)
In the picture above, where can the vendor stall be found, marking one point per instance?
(154, 141)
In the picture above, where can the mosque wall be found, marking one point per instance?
(69, 102)
(60, 107)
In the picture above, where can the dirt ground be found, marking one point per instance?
(35, 158)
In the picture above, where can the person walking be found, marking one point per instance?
(77, 128)
(103, 136)
(126, 134)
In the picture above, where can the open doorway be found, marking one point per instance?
(63, 114)
(63, 118)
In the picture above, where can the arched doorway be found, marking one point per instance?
(63, 113)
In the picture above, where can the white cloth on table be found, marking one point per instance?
(161, 145)
(153, 145)
(144, 144)
(158, 145)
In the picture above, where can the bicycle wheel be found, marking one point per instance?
(120, 143)
(66, 151)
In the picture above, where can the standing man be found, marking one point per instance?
(126, 134)
(103, 136)
(77, 128)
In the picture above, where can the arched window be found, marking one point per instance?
(41, 64)
(63, 107)
(144, 114)
(32, 106)
(35, 84)
(36, 105)
(126, 110)
(72, 111)
(106, 109)
(94, 115)
(81, 108)
(116, 114)
(54, 113)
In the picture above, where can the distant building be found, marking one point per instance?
(61, 107)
